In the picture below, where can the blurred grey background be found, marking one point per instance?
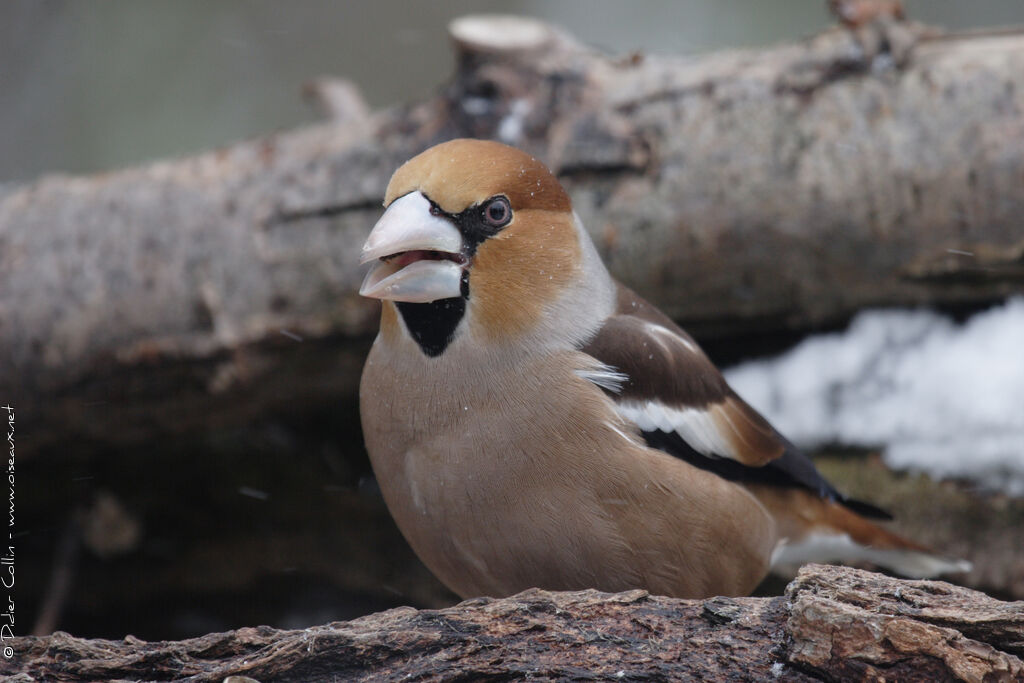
(88, 86)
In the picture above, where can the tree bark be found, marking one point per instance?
(833, 624)
(750, 190)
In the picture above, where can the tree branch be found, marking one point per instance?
(765, 189)
(833, 624)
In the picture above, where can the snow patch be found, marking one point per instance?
(938, 397)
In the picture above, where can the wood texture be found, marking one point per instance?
(832, 624)
(749, 190)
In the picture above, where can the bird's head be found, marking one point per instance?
(474, 231)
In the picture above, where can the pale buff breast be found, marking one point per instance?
(508, 480)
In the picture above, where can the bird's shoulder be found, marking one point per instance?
(668, 383)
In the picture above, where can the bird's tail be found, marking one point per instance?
(814, 529)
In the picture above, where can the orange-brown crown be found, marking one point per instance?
(464, 172)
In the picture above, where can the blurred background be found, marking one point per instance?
(226, 539)
(93, 86)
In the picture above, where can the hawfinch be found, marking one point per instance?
(532, 422)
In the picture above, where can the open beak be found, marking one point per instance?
(417, 256)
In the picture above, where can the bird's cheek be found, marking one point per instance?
(510, 285)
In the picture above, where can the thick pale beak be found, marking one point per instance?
(418, 255)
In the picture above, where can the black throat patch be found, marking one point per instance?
(433, 325)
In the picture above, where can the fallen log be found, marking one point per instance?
(833, 624)
(748, 190)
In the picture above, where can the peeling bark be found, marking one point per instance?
(833, 624)
(852, 625)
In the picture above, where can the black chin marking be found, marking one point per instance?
(433, 325)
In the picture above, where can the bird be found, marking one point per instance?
(531, 422)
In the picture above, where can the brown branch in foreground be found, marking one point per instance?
(833, 623)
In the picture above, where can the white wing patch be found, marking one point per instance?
(696, 427)
(604, 376)
(833, 547)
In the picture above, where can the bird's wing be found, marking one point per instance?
(682, 405)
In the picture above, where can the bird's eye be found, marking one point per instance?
(497, 212)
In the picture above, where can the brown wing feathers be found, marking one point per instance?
(750, 434)
(684, 406)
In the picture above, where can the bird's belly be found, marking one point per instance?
(485, 533)
(497, 498)
(480, 490)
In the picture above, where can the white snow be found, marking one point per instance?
(935, 396)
